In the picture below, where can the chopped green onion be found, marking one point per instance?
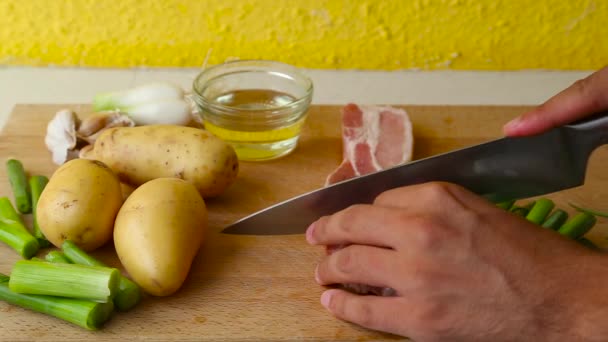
(590, 211)
(94, 283)
(519, 211)
(578, 226)
(86, 314)
(522, 210)
(57, 256)
(13, 231)
(539, 211)
(555, 220)
(37, 184)
(8, 214)
(128, 294)
(588, 243)
(506, 205)
(18, 181)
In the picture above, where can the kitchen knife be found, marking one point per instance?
(508, 168)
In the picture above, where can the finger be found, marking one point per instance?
(373, 312)
(433, 197)
(358, 264)
(358, 224)
(583, 98)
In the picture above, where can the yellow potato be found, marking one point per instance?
(158, 232)
(127, 189)
(80, 203)
(142, 153)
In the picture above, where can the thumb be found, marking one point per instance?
(583, 98)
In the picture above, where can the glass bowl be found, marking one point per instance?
(257, 106)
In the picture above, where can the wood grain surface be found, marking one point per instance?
(244, 288)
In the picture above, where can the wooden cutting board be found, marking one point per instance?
(256, 288)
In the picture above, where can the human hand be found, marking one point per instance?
(462, 269)
(584, 97)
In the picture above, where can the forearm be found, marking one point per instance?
(589, 300)
(574, 305)
(566, 299)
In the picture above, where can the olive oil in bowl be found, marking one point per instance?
(258, 107)
(254, 133)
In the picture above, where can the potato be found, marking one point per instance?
(127, 189)
(80, 203)
(142, 153)
(158, 232)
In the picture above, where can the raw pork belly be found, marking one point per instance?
(373, 138)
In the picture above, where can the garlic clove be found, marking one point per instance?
(61, 135)
(94, 125)
(87, 152)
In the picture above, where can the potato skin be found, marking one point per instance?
(80, 203)
(158, 232)
(142, 153)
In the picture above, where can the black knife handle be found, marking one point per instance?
(590, 132)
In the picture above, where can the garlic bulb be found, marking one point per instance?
(67, 136)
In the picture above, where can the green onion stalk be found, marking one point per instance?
(128, 294)
(506, 205)
(86, 314)
(37, 185)
(578, 225)
(57, 257)
(18, 181)
(589, 211)
(555, 220)
(92, 283)
(13, 231)
(539, 211)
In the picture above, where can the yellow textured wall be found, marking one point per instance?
(364, 34)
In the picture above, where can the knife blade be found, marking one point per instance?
(503, 169)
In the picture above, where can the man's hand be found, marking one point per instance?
(585, 97)
(462, 269)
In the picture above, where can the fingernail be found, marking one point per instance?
(309, 233)
(326, 298)
(317, 275)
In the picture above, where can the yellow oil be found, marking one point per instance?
(254, 133)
